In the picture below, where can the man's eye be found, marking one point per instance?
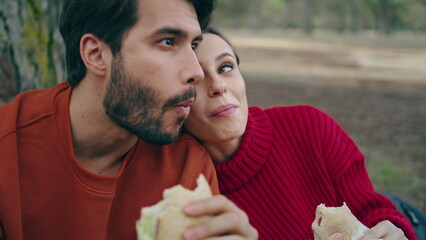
(194, 45)
(168, 41)
(225, 68)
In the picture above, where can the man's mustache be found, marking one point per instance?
(190, 93)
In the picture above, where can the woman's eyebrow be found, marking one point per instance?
(224, 55)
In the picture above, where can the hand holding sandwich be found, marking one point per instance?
(338, 223)
(193, 214)
(228, 222)
(383, 230)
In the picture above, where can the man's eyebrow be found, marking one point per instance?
(176, 32)
(224, 55)
(171, 31)
(198, 38)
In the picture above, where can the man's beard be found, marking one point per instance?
(137, 108)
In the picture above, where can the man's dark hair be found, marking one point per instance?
(109, 21)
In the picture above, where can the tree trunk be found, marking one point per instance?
(256, 9)
(354, 11)
(30, 43)
(287, 14)
(384, 11)
(309, 16)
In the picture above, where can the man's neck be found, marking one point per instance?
(99, 144)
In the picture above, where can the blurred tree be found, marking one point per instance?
(308, 16)
(32, 51)
(389, 14)
(414, 17)
(31, 44)
(232, 13)
(338, 14)
(287, 13)
(255, 13)
(354, 12)
(270, 12)
(382, 15)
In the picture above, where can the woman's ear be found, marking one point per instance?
(94, 53)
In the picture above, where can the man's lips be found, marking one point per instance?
(186, 103)
(223, 111)
(185, 106)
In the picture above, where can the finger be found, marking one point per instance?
(215, 205)
(227, 223)
(209, 228)
(384, 230)
(229, 220)
(335, 236)
(228, 237)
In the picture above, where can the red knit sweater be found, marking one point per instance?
(290, 160)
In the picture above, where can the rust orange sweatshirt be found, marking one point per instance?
(46, 194)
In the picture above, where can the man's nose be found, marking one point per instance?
(192, 73)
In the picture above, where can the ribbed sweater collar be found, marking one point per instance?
(252, 154)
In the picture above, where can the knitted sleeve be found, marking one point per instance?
(347, 170)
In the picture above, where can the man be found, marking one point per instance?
(79, 161)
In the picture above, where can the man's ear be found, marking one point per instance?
(94, 53)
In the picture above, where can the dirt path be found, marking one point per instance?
(352, 65)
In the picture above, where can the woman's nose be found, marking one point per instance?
(217, 87)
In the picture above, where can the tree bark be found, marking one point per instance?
(256, 9)
(309, 16)
(384, 16)
(31, 44)
(354, 11)
(287, 14)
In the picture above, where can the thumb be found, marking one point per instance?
(335, 236)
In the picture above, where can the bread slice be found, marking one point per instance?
(329, 220)
(166, 220)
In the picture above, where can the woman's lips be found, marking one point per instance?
(223, 111)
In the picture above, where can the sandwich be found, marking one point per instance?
(166, 219)
(329, 220)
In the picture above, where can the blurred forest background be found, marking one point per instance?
(361, 61)
(385, 16)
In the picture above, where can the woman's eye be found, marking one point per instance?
(225, 68)
(168, 41)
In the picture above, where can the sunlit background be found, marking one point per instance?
(361, 61)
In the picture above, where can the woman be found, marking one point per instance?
(278, 164)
